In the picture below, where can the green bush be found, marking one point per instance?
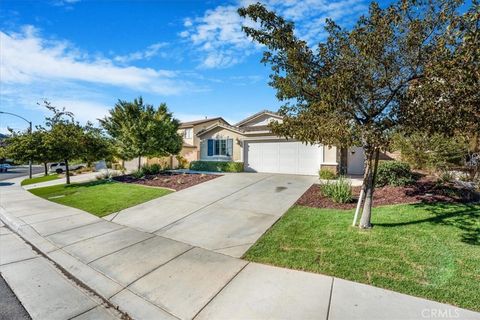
(339, 191)
(394, 173)
(217, 166)
(138, 174)
(326, 174)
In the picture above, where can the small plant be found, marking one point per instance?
(182, 162)
(107, 175)
(394, 173)
(339, 191)
(446, 177)
(326, 174)
(138, 174)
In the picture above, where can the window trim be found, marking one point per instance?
(187, 136)
(216, 146)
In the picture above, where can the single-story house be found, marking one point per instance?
(250, 141)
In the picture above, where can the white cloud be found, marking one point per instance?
(218, 34)
(84, 110)
(27, 58)
(150, 52)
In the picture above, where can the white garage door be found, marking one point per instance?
(283, 157)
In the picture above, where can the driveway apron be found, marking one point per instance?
(226, 214)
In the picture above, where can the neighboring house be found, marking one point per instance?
(251, 141)
(191, 142)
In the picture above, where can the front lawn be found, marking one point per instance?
(40, 179)
(100, 197)
(425, 250)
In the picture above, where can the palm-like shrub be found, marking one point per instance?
(339, 191)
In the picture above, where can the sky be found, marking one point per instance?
(85, 55)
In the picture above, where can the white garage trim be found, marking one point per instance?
(282, 156)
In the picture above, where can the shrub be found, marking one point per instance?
(339, 191)
(151, 169)
(326, 174)
(182, 162)
(138, 174)
(394, 173)
(217, 166)
(107, 174)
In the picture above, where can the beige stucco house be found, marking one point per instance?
(250, 141)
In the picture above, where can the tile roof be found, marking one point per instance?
(195, 122)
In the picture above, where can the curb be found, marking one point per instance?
(44, 248)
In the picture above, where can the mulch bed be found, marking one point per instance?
(171, 180)
(425, 190)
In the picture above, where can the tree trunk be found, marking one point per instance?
(139, 162)
(67, 171)
(369, 186)
(45, 168)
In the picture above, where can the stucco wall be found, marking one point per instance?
(221, 133)
(330, 155)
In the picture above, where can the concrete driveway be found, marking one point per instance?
(227, 214)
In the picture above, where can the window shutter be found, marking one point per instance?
(229, 147)
(210, 147)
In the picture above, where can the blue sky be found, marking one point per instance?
(85, 54)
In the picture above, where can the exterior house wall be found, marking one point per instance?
(221, 133)
(199, 127)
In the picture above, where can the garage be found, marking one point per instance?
(277, 156)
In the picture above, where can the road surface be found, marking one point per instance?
(19, 171)
(10, 307)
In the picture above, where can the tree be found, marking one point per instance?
(25, 146)
(95, 145)
(64, 136)
(450, 88)
(142, 130)
(349, 91)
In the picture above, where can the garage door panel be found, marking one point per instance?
(290, 157)
(254, 157)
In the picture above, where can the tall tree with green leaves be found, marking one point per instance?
(349, 90)
(143, 130)
(25, 146)
(64, 136)
(450, 88)
(95, 145)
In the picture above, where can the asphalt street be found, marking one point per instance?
(19, 171)
(10, 307)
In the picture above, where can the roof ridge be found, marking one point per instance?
(256, 115)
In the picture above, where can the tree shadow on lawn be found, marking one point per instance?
(465, 217)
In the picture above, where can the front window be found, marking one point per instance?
(220, 147)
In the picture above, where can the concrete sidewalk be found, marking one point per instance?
(84, 177)
(43, 290)
(150, 276)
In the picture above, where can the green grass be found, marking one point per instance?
(50, 177)
(430, 251)
(100, 197)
